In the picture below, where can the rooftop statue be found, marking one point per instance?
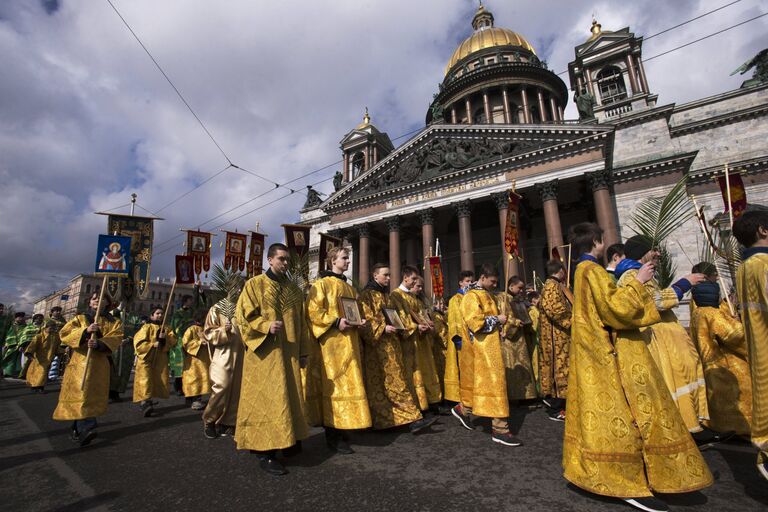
(585, 104)
(313, 197)
(337, 179)
(760, 63)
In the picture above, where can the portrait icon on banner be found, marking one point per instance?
(298, 239)
(236, 246)
(257, 249)
(198, 244)
(114, 255)
(329, 245)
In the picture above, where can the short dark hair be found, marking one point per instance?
(409, 270)
(379, 266)
(156, 308)
(554, 266)
(277, 246)
(613, 250)
(488, 270)
(513, 281)
(466, 274)
(185, 298)
(745, 227)
(533, 294)
(38, 315)
(54, 308)
(19, 314)
(583, 237)
(704, 267)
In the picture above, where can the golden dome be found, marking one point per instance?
(366, 121)
(597, 30)
(487, 37)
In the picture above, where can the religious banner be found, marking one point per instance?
(297, 238)
(556, 254)
(234, 251)
(738, 193)
(436, 271)
(114, 255)
(185, 266)
(256, 254)
(511, 228)
(140, 230)
(199, 247)
(327, 243)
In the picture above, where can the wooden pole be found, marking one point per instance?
(93, 334)
(165, 316)
(728, 193)
(703, 226)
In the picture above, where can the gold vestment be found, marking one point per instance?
(42, 349)
(554, 339)
(75, 404)
(345, 405)
(194, 377)
(451, 377)
(401, 301)
(150, 380)
(515, 346)
(624, 436)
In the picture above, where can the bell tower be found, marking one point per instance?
(608, 76)
(362, 148)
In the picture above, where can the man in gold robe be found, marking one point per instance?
(152, 345)
(719, 337)
(555, 340)
(669, 342)
(226, 373)
(624, 436)
(751, 230)
(91, 343)
(344, 403)
(534, 313)
(270, 415)
(389, 395)
(484, 323)
(515, 342)
(411, 312)
(425, 353)
(457, 331)
(56, 367)
(195, 381)
(40, 352)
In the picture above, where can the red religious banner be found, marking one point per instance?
(738, 193)
(437, 276)
(297, 238)
(185, 269)
(234, 251)
(199, 248)
(511, 228)
(256, 254)
(327, 243)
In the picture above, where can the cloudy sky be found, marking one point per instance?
(86, 119)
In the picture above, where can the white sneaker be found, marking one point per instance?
(648, 503)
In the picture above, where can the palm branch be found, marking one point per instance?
(289, 290)
(665, 270)
(656, 218)
(227, 285)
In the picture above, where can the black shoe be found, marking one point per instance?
(707, 438)
(146, 408)
(87, 436)
(114, 397)
(342, 447)
(557, 416)
(74, 437)
(762, 464)
(226, 431)
(209, 429)
(648, 503)
(336, 442)
(293, 451)
(272, 466)
(419, 425)
(506, 439)
(465, 420)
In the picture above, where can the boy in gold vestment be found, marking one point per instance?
(484, 323)
(41, 352)
(458, 359)
(345, 404)
(555, 341)
(151, 377)
(624, 436)
(195, 380)
(515, 342)
(751, 230)
(270, 416)
(81, 334)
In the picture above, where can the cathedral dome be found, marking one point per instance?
(485, 36)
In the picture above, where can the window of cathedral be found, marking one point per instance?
(535, 114)
(478, 116)
(611, 83)
(498, 115)
(358, 163)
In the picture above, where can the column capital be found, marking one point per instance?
(463, 208)
(393, 223)
(364, 230)
(428, 216)
(599, 180)
(501, 199)
(336, 233)
(548, 190)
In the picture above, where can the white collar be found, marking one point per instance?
(402, 287)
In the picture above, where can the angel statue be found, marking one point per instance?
(760, 63)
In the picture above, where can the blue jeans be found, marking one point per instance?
(80, 426)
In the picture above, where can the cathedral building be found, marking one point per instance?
(497, 122)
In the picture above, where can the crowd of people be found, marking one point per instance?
(640, 395)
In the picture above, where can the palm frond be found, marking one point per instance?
(656, 218)
(227, 285)
(666, 269)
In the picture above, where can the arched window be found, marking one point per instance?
(358, 164)
(611, 84)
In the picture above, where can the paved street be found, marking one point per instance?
(165, 463)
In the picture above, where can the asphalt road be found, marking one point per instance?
(165, 463)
